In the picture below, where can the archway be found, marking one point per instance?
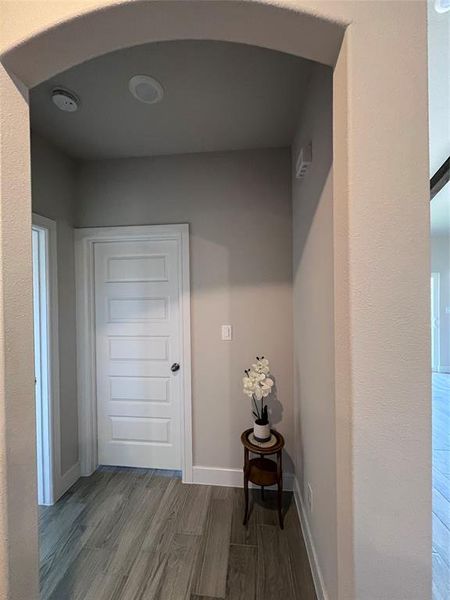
(368, 68)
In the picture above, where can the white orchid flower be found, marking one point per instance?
(262, 366)
(255, 375)
(248, 383)
(257, 383)
(258, 393)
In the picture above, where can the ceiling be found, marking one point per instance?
(217, 96)
(440, 212)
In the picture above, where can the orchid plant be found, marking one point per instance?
(257, 386)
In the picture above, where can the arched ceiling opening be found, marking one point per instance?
(126, 24)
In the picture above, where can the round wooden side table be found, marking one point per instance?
(263, 471)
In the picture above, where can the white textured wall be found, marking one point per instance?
(313, 308)
(18, 494)
(381, 252)
(239, 210)
(53, 190)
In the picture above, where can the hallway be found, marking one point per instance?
(135, 534)
(441, 486)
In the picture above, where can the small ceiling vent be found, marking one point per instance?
(146, 89)
(304, 160)
(65, 100)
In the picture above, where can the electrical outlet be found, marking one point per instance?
(309, 497)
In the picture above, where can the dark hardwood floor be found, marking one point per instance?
(441, 486)
(135, 534)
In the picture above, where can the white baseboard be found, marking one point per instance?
(229, 477)
(319, 583)
(63, 483)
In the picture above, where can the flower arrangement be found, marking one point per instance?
(258, 385)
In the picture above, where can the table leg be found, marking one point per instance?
(246, 486)
(246, 500)
(280, 504)
(280, 490)
(262, 492)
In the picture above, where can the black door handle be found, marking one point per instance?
(175, 367)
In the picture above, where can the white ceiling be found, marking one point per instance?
(218, 96)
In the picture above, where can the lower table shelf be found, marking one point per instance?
(262, 471)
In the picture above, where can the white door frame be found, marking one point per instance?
(435, 310)
(85, 240)
(48, 414)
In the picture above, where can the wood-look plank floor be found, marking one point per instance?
(136, 534)
(441, 486)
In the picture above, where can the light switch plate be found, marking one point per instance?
(227, 333)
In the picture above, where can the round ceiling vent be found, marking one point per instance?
(146, 89)
(65, 100)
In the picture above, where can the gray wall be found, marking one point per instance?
(313, 308)
(238, 205)
(53, 188)
(440, 263)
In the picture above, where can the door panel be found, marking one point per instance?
(137, 310)
(142, 348)
(150, 389)
(138, 334)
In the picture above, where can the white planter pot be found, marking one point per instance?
(261, 432)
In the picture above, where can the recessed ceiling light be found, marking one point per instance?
(65, 100)
(146, 89)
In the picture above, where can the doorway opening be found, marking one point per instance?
(45, 353)
(439, 168)
(440, 362)
(211, 208)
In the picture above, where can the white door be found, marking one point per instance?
(435, 322)
(39, 358)
(42, 358)
(138, 343)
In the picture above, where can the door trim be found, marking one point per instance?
(50, 417)
(85, 240)
(436, 350)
